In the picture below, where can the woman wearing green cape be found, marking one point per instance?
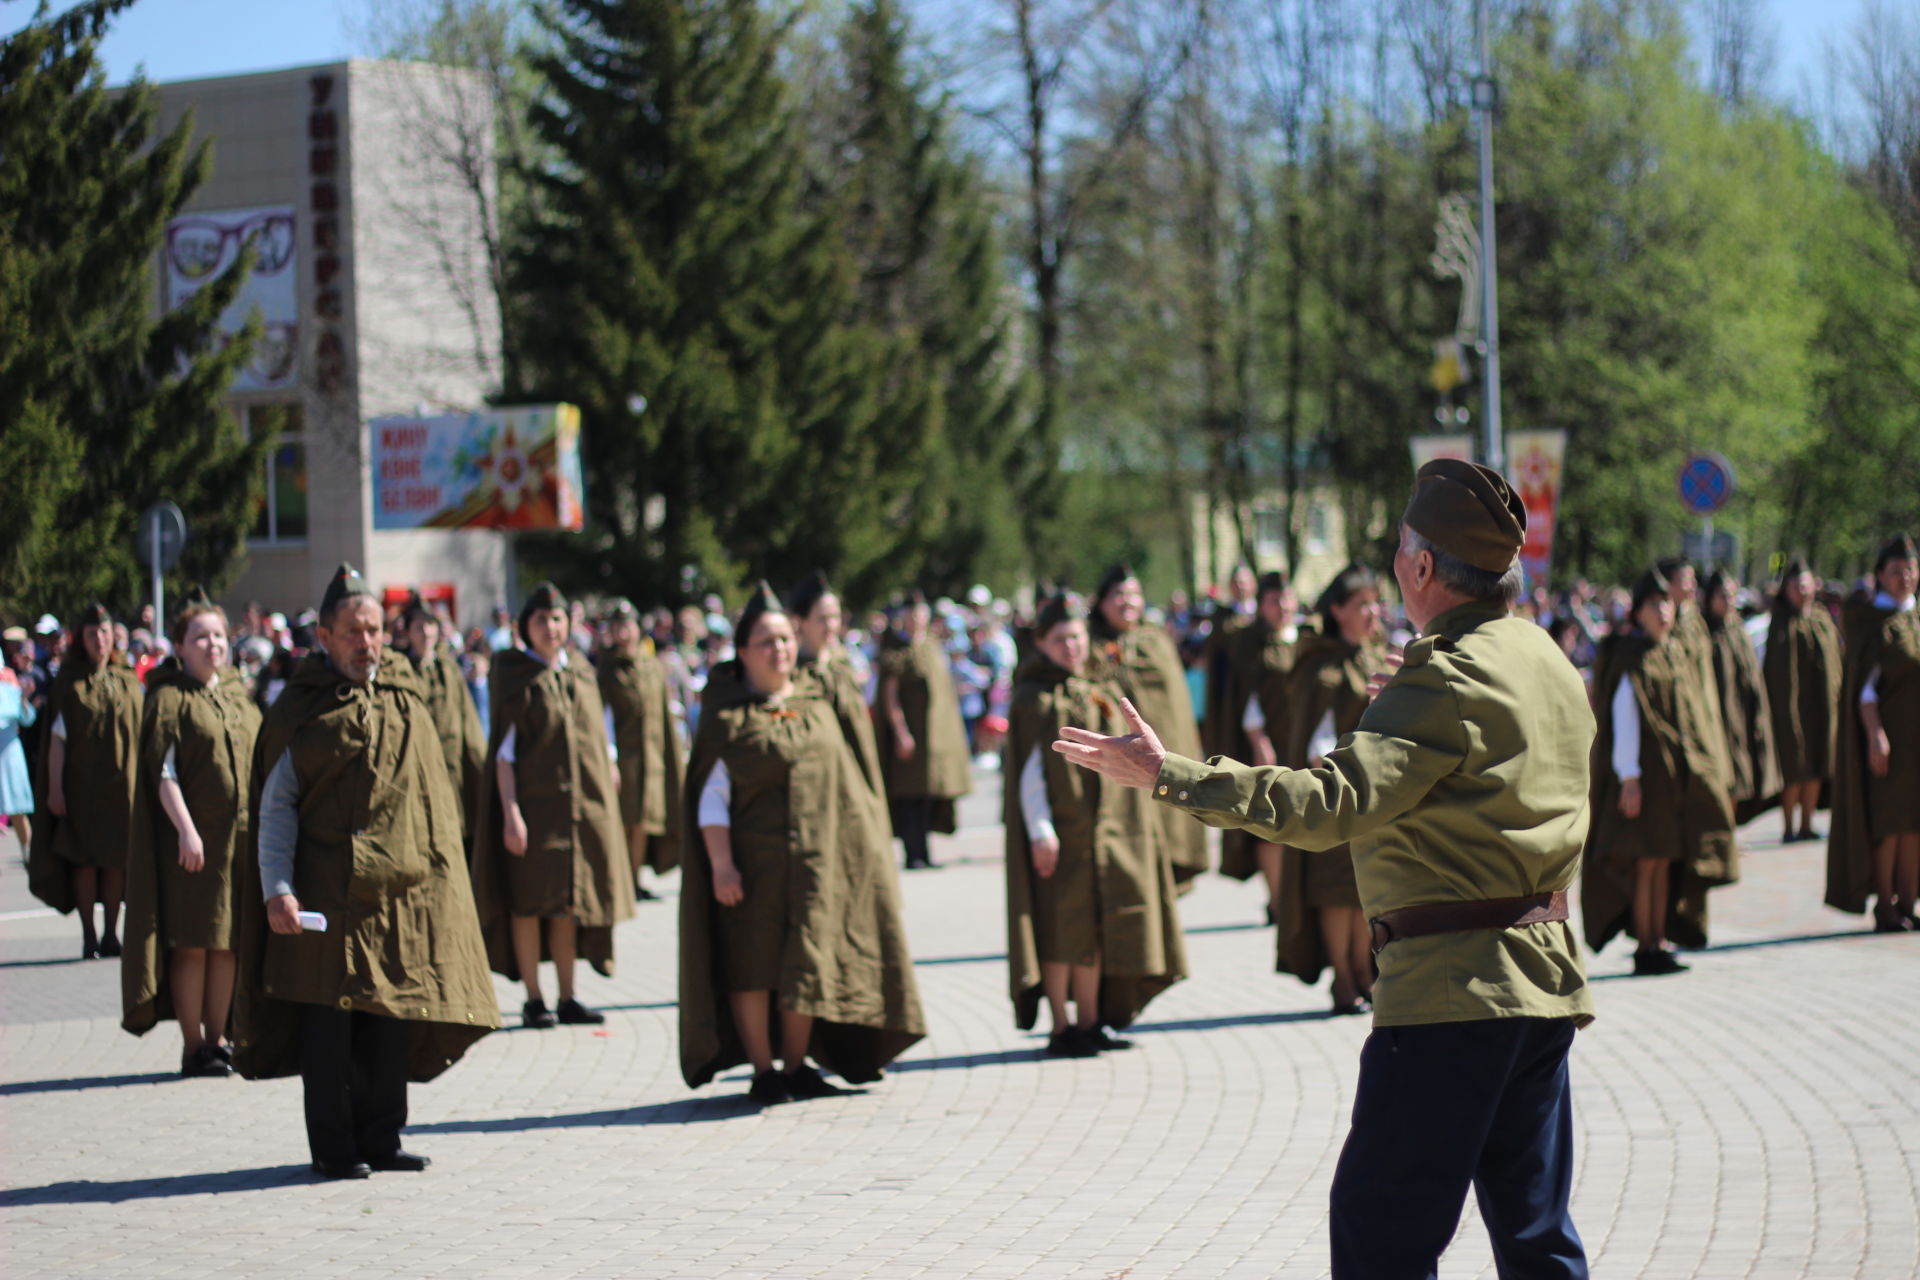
(1091, 920)
(790, 925)
(1662, 822)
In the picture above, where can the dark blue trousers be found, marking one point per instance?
(1444, 1106)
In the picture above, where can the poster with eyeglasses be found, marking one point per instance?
(202, 246)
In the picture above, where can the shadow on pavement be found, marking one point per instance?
(186, 1184)
(40, 964)
(685, 1111)
(998, 957)
(1757, 943)
(961, 1061)
(85, 1082)
(1235, 1020)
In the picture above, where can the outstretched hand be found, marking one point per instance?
(1132, 760)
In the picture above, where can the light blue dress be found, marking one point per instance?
(16, 788)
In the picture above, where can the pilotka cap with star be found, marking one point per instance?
(345, 584)
(1468, 511)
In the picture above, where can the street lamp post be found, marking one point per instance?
(1486, 95)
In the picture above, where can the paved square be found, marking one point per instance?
(1757, 1117)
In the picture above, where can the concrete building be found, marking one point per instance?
(368, 188)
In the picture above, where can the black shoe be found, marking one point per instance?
(807, 1082)
(224, 1052)
(1106, 1042)
(342, 1172)
(643, 894)
(1351, 1008)
(1887, 919)
(1654, 963)
(1073, 1043)
(89, 949)
(575, 1014)
(534, 1013)
(205, 1062)
(398, 1162)
(109, 948)
(769, 1088)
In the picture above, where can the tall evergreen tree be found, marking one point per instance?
(104, 407)
(916, 220)
(680, 291)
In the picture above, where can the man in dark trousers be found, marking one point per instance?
(361, 961)
(1464, 794)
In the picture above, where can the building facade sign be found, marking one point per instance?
(512, 468)
(201, 246)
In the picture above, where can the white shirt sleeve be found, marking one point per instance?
(716, 798)
(60, 726)
(1324, 739)
(1626, 733)
(1870, 691)
(613, 745)
(167, 771)
(1253, 719)
(506, 744)
(1034, 804)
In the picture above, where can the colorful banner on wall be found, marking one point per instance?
(1533, 466)
(200, 249)
(512, 468)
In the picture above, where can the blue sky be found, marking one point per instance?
(186, 39)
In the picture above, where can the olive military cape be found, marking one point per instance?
(846, 962)
(1685, 813)
(1112, 895)
(1755, 784)
(842, 688)
(576, 861)
(1329, 676)
(1144, 665)
(1889, 641)
(1690, 632)
(101, 706)
(1221, 720)
(1803, 672)
(652, 763)
(1259, 665)
(379, 853)
(941, 767)
(211, 730)
(456, 721)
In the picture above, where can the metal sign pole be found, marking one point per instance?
(159, 588)
(1495, 443)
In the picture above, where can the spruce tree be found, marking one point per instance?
(104, 407)
(679, 290)
(915, 216)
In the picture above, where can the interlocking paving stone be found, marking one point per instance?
(1757, 1117)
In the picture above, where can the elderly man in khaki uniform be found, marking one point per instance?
(1464, 795)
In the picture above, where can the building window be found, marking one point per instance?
(1269, 531)
(1317, 528)
(280, 514)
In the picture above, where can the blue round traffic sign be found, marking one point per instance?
(1706, 483)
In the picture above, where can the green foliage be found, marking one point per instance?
(104, 408)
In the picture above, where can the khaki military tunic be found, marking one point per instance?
(1465, 780)
(1144, 664)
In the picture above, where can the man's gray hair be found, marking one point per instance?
(1472, 582)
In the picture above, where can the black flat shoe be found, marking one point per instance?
(769, 1088)
(643, 894)
(89, 950)
(224, 1052)
(109, 948)
(806, 1082)
(535, 1014)
(336, 1171)
(1351, 1008)
(1106, 1042)
(1889, 920)
(575, 1014)
(398, 1162)
(205, 1062)
(1072, 1043)
(1653, 964)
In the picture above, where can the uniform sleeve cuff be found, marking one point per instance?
(1179, 781)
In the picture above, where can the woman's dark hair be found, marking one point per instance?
(1898, 547)
(1350, 582)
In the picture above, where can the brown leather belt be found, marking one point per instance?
(1459, 917)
